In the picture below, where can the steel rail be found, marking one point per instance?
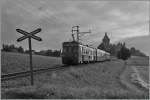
(27, 73)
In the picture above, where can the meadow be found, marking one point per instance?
(88, 81)
(15, 62)
(138, 61)
(142, 66)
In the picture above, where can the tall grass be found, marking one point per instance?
(14, 62)
(47, 91)
(87, 81)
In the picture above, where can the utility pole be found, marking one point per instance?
(76, 30)
(73, 37)
(78, 33)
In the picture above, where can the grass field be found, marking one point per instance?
(143, 71)
(14, 62)
(142, 65)
(96, 80)
(138, 61)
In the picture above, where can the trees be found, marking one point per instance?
(123, 53)
(53, 53)
(20, 49)
(5, 48)
(12, 48)
(135, 52)
(114, 48)
(104, 47)
(49, 53)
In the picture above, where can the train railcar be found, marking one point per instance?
(70, 53)
(87, 54)
(100, 55)
(107, 56)
(84, 54)
(75, 53)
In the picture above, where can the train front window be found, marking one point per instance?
(67, 49)
(75, 49)
(64, 49)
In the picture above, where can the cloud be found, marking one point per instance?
(120, 19)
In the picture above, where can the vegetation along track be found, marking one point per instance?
(27, 73)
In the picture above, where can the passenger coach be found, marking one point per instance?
(75, 53)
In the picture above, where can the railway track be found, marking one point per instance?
(27, 73)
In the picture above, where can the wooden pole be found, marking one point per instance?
(30, 54)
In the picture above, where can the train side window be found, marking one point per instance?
(86, 51)
(82, 50)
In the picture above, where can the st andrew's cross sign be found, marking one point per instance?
(29, 36)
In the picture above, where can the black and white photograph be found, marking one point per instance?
(75, 49)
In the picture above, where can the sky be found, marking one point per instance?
(120, 19)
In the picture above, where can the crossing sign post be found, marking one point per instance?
(29, 36)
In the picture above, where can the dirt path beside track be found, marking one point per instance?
(131, 80)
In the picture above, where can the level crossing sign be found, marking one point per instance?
(29, 36)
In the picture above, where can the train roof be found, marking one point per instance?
(71, 42)
(75, 42)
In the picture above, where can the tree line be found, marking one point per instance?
(113, 49)
(20, 49)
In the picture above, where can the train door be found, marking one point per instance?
(80, 51)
